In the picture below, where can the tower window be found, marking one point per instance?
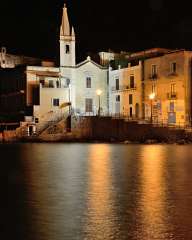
(67, 49)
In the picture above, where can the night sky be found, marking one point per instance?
(31, 27)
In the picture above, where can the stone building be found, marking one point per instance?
(125, 80)
(12, 61)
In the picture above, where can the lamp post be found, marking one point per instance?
(69, 98)
(99, 94)
(151, 97)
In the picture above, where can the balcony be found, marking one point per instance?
(124, 88)
(172, 95)
(172, 74)
(53, 86)
(153, 76)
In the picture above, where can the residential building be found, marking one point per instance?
(125, 91)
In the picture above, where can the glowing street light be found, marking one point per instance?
(151, 97)
(99, 92)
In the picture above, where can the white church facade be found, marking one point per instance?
(70, 87)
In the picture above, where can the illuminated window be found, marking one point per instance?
(67, 49)
(173, 67)
(153, 88)
(88, 82)
(132, 81)
(117, 98)
(88, 105)
(130, 98)
(154, 70)
(55, 102)
(173, 87)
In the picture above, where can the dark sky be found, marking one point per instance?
(31, 27)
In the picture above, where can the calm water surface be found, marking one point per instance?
(98, 191)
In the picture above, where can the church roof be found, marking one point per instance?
(91, 61)
(65, 27)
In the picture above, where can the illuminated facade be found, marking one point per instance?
(125, 91)
(125, 88)
(167, 75)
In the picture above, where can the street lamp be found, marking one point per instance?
(99, 94)
(69, 86)
(151, 97)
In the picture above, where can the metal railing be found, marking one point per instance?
(123, 88)
(172, 95)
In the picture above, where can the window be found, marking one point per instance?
(130, 99)
(68, 82)
(51, 85)
(67, 49)
(154, 70)
(42, 81)
(172, 107)
(117, 83)
(88, 82)
(153, 88)
(132, 81)
(88, 105)
(57, 83)
(56, 102)
(117, 98)
(173, 67)
(173, 85)
(130, 112)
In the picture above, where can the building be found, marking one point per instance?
(169, 77)
(157, 88)
(47, 90)
(11, 61)
(125, 91)
(153, 85)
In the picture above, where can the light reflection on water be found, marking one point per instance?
(100, 191)
(100, 219)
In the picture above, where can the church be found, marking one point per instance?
(72, 87)
(153, 85)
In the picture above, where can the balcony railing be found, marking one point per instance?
(172, 95)
(124, 88)
(153, 76)
(53, 86)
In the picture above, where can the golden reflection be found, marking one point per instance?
(153, 212)
(100, 205)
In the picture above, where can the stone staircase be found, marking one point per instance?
(50, 119)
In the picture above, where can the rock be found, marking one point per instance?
(151, 141)
(181, 142)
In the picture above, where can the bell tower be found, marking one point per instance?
(67, 42)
